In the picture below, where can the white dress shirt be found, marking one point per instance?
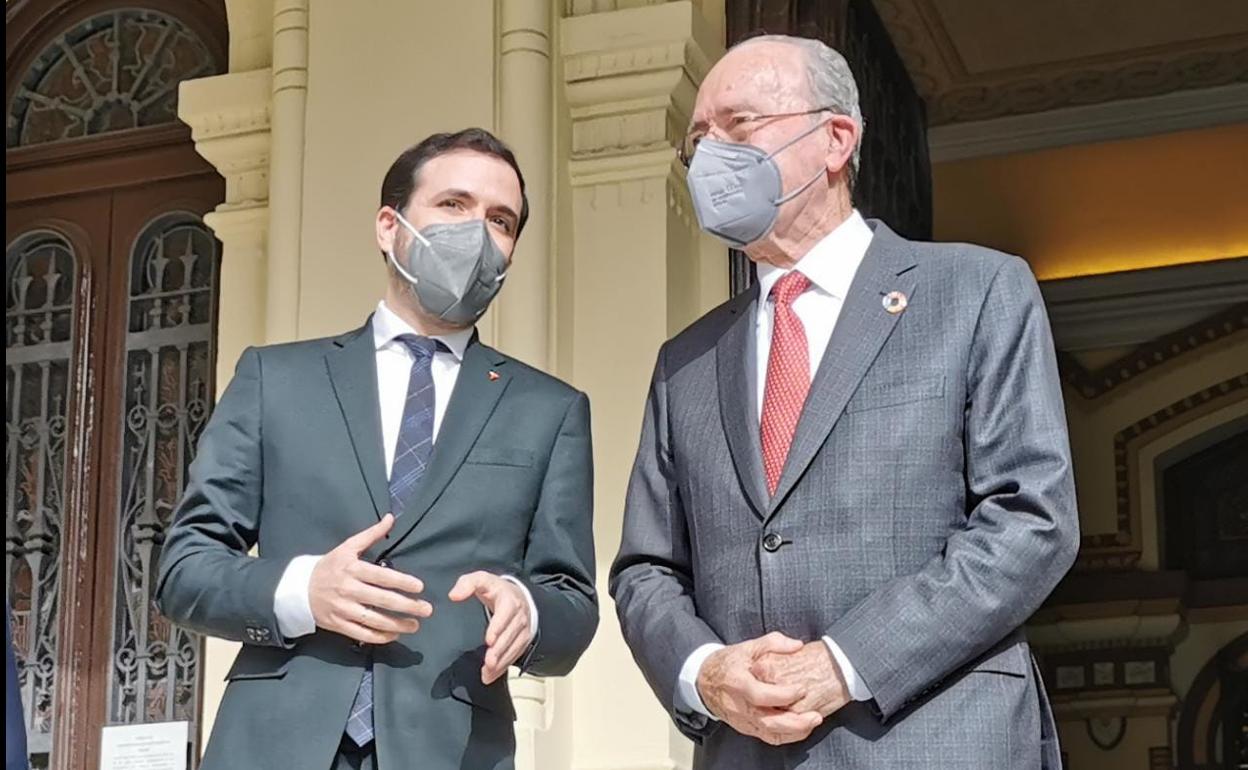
(394, 369)
(830, 265)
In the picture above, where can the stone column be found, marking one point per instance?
(639, 272)
(289, 99)
(521, 320)
(229, 120)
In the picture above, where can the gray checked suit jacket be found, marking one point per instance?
(926, 509)
(292, 462)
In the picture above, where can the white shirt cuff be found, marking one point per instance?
(529, 598)
(858, 689)
(290, 601)
(687, 696)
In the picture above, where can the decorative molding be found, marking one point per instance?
(1107, 732)
(586, 7)
(1157, 702)
(1122, 119)
(1138, 306)
(1121, 549)
(956, 92)
(229, 116)
(631, 76)
(1121, 630)
(533, 699)
(1091, 384)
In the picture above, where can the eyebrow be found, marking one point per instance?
(500, 208)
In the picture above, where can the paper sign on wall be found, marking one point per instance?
(156, 746)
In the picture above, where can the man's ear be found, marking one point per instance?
(843, 132)
(387, 226)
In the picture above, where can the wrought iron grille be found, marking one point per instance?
(41, 272)
(156, 666)
(113, 71)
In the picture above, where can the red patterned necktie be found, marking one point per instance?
(788, 377)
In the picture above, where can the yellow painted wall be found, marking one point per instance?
(381, 77)
(1104, 207)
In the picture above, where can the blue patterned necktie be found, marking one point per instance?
(411, 458)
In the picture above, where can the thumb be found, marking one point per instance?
(364, 539)
(466, 586)
(775, 642)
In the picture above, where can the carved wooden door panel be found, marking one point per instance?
(110, 314)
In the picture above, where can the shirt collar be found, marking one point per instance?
(830, 264)
(387, 326)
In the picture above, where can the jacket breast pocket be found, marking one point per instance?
(895, 393)
(505, 456)
(259, 663)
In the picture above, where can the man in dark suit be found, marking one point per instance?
(14, 723)
(854, 483)
(421, 505)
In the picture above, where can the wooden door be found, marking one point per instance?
(111, 282)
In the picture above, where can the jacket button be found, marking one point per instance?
(772, 542)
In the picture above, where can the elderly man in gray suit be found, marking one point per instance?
(421, 503)
(854, 482)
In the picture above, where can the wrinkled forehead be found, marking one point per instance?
(762, 77)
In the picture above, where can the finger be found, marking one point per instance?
(364, 539)
(789, 726)
(363, 634)
(474, 583)
(504, 615)
(515, 649)
(499, 659)
(772, 695)
(387, 578)
(764, 669)
(775, 642)
(380, 621)
(505, 638)
(391, 601)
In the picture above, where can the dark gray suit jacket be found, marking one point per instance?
(292, 462)
(926, 509)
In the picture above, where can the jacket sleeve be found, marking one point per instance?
(559, 559)
(207, 580)
(652, 577)
(1021, 534)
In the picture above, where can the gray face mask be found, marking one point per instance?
(736, 188)
(455, 269)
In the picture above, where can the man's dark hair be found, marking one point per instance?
(404, 173)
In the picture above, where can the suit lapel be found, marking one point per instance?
(481, 382)
(734, 362)
(352, 365)
(861, 330)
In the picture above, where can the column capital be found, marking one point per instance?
(631, 76)
(229, 120)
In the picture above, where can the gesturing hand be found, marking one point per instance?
(509, 632)
(810, 668)
(751, 706)
(363, 601)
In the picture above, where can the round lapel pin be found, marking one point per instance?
(895, 302)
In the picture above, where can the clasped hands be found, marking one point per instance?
(375, 605)
(774, 688)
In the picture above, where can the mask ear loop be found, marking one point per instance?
(790, 196)
(403, 272)
(786, 198)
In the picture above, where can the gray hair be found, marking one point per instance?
(830, 81)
